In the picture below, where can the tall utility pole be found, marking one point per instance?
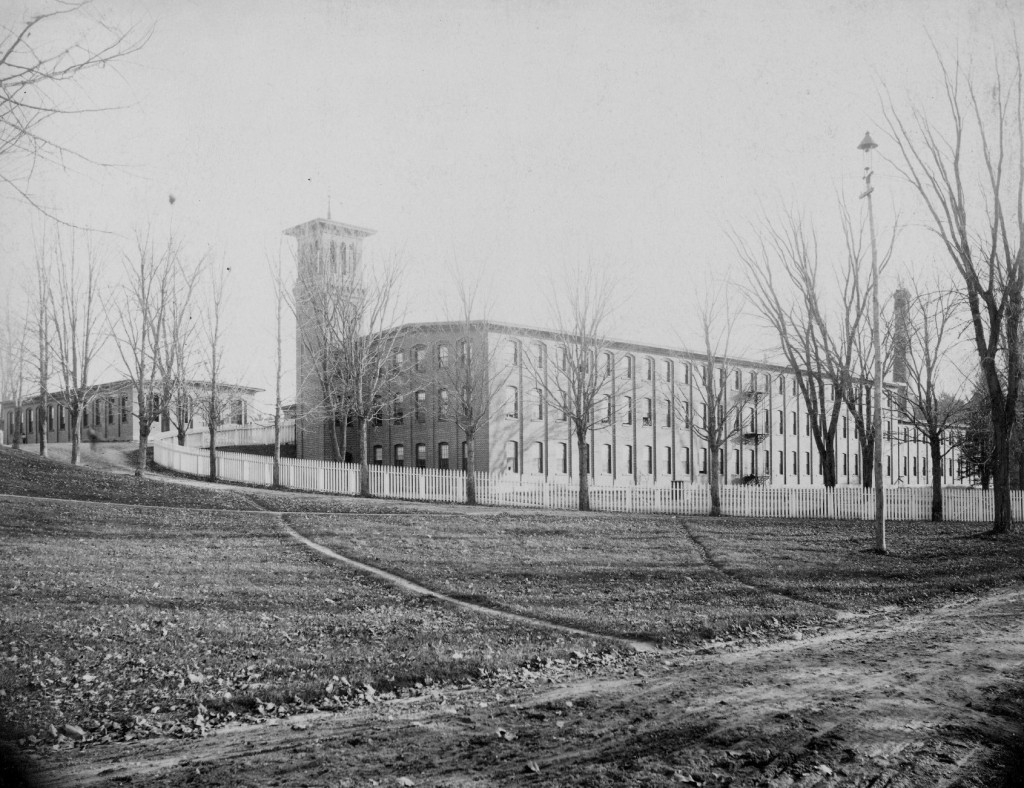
(867, 145)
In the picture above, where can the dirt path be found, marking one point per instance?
(904, 702)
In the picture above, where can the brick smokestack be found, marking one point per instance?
(900, 334)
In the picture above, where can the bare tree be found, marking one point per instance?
(76, 307)
(14, 364)
(578, 380)
(213, 327)
(37, 67)
(366, 349)
(175, 359)
(929, 318)
(280, 299)
(471, 380)
(138, 320)
(829, 361)
(720, 416)
(969, 172)
(40, 299)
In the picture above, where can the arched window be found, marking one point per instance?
(668, 460)
(628, 361)
(398, 360)
(609, 364)
(443, 456)
(378, 455)
(512, 402)
(649, 459)
(629, 460)
(538, 457)
(606, 452)
(421, 455)
(399, 455)
(648, 368)
(442, 404)
(563, 458)
(646, 412)
(512, 456)
(398, 411)
(538, 355)
(421, 406)
(668, 370)
(627, 410)
(536, 404)
(442, 356)
(419, 358)
(513, 352)
(605, 409)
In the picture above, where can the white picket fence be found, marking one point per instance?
(425, 484)
(241, 435)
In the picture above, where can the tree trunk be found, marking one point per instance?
(936, 457)
(277, 439)
(470, 467)
(584, 471)
(213, 449)
(867, 464)
(140, 463)
(335, 446)
(715, 481)
(76, 435)
(1003, 520)
(364, 463)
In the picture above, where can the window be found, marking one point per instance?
(512, 402)
(794, 387)
(398, 359)
(606, 455)
(605, 409)
(704, 415)
(737, 382)
(686, 373)
(668, 412)
(704, 460)
(111, 407)
(807, 424)
(684, 411)
(629, 460)
(421, 455)
(782, 462)
(513, 353)
(753, 381)
(563, 458)
(465, 455)
(538, 457)
(538, 355)
(124, 409)
(397, 412)
(49, 417)
(442, 356)
(512, 456)
(627, 413)
(794, 422)
(465, 351)
(647, 416)
(649, 459)
(856, 464)
(668, 460)
(648, 368)
(807, 463)
(915, 467)
(419, 358)
(846, 470)
(31, 422)
(767, 470)
(845, 426)
(399, 455)
(609, 365)
(668, 370)
(421, 406)
(443, 456)
(793, 454)
(686, 460)
(736, 460)
(561, 360)
(537, 405)
(888, 466)
(378, 412)
(629, 366)
(378, 455)
(906, 474)
(443, 404)
(782, 385)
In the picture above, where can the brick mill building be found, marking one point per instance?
(648, 430)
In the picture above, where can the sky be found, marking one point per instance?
(512, 140)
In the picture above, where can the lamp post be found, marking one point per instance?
(867, 145)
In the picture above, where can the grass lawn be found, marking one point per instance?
(123, 620)
(130, 621)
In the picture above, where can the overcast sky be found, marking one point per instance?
(516, 138)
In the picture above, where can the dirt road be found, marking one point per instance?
(929, 699)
